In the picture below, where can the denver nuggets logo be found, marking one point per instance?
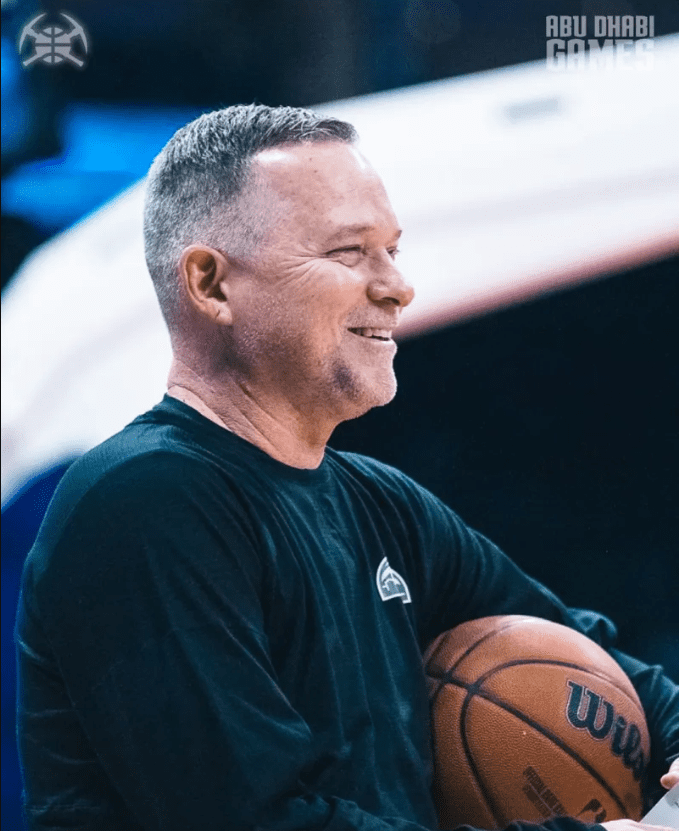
(390, 584)
(53, 45)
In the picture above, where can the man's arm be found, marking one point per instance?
(660, 699)
(468, 577)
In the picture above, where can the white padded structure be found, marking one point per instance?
(508, 184)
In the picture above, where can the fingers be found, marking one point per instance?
(671, 778)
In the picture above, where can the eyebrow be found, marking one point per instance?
(352, 230)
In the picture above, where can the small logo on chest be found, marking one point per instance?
(390, 584)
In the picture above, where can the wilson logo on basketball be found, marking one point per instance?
(598, 717)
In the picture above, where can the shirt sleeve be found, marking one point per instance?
(470, 577)
(660, 699)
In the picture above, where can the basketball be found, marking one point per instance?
(531, 720)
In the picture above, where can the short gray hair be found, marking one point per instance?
(194, 184)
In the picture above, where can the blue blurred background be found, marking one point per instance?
(552, 428)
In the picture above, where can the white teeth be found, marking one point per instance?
(374, 333)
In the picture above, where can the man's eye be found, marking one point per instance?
(345, 250)
(347, 256)
(353, 253)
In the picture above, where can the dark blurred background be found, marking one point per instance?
(550, 426)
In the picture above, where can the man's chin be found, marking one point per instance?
(385, 394)
(360, 392)
(375, 395)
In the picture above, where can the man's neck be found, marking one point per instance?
(278, 431)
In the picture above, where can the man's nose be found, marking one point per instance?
(388, 284)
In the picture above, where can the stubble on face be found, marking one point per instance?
(277, 353)
(351, 386)
(289, 339)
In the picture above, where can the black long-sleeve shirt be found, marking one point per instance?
(209, 639)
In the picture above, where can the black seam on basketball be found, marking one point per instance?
(552, 662)
(433, 732)
(510, 624)
(436, 693)
(490, 802)
(474, 689)
(439, 645)
(448, 678)
(555, 662)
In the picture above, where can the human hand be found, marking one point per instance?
(670, 779)
(630, 825)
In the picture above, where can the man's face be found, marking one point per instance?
(315, 306)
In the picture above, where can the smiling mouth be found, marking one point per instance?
(374, 334)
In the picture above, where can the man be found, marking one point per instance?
(222, 619)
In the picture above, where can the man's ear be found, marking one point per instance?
(204, 272)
